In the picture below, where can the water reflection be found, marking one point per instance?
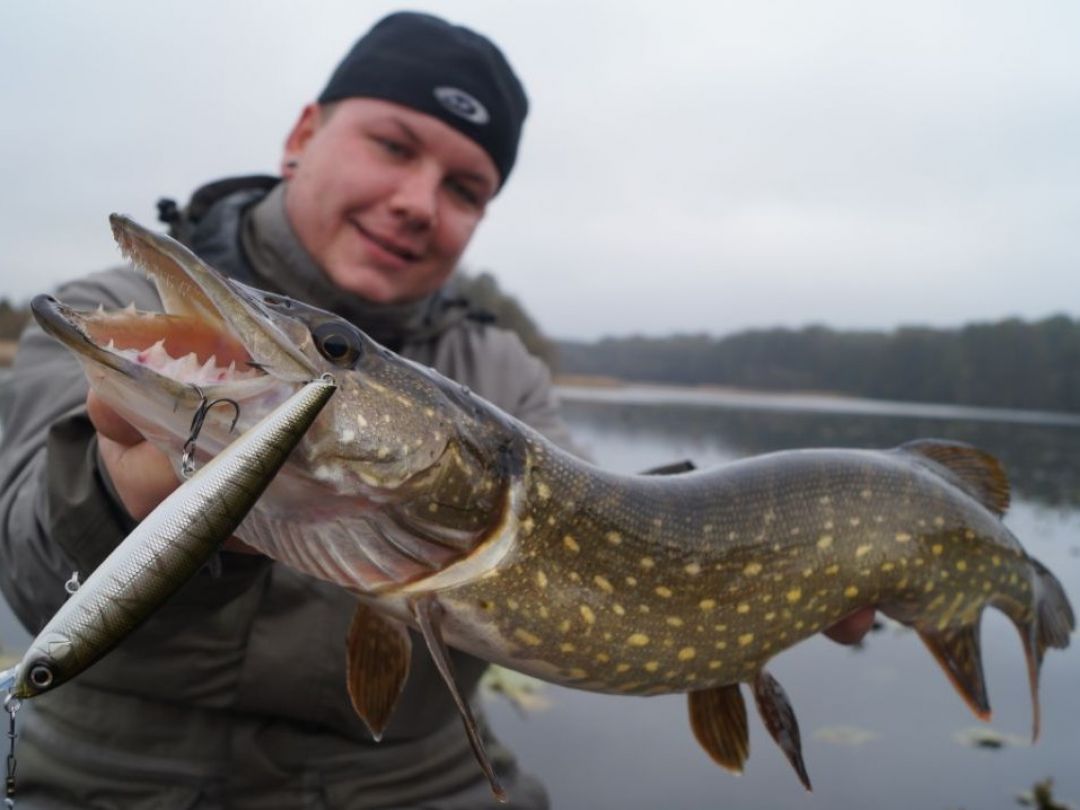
(1041, 457)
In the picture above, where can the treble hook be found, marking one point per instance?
(187, 461)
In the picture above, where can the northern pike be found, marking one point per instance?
(442, 513)
(166, 549)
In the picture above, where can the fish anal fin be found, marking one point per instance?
(779, 718)
(377, 664)
(428, 614)
(959, 653)
(718, 719)
(977, 472)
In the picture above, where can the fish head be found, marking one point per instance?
(219, 340)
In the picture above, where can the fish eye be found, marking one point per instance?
(337, 344)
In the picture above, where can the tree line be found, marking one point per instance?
(1010, 363)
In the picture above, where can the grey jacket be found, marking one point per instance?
(233, 694)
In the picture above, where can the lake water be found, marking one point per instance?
(881, 726)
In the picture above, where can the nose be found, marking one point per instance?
(415, 199)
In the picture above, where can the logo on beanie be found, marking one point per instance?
(462, 104)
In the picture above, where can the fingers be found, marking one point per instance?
(140, 473)
(109, 423)
(852, 628)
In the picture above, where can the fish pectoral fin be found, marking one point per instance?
(377, 664)
(718, 719)
(428, 614)
(779, 718)
(980, 474)
(958, 651)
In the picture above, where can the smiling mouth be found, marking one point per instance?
(390, 247)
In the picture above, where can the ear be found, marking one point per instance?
(303, 130)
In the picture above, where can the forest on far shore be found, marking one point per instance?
(1010, 363)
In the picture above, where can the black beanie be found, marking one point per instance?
(446, 71)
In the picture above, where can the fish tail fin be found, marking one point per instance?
(1045, 620)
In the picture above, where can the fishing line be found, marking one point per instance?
(11, 705)
(187, 461)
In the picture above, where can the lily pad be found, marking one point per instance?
(845, 735)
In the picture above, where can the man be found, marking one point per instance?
(233, 694)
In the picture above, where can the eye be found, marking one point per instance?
(337, 344)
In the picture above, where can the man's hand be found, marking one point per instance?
(141, 474)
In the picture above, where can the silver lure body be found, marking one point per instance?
(168, 547)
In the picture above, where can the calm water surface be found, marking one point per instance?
(880, 724)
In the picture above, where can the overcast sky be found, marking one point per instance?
(686, 166)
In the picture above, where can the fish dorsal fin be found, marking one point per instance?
(428, 614)
(377, 664)
(718, 719)
(958, 651)
(975, 471)
(779, 718)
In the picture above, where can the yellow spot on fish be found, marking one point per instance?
(865, 494)
(937, 548)
(929, 586)
(674, 621)
(693, 569)
(614, 538)
(752, 569)
(587, 614)
(825, 541)
(743, 607)
(543, 490)
(622, 667)
(647, 563)
(652, 666)
(544, 612)
(851, 591)
(887, 566)
(746, 638)
(828, 524)
(794, 595)
(631, 581)
(715, 664)
(638, 640)
(939, 521)
(862, 551)
(854, 521)
(577, 672)
(996, 560)
(603, 584)
(571, 543)
(567, 647)
(686, 653)
(529, 638)
(564, 626)
(961, 565)
(664, 592)
(603, 658)
(361, 421)
(527, 525)
(902, 537)
(832, 569)
(382, 452)
(770, 615)
(707, 604)
(619, 609)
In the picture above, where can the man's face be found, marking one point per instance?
(383, 197)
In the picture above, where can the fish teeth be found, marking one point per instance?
(208, 369)
(130, 309)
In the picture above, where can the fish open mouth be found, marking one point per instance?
(214, 334)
